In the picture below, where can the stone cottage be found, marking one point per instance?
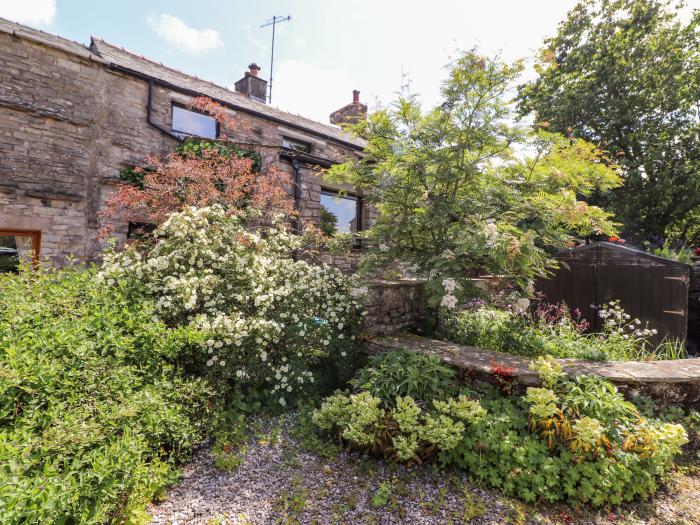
(72, 117)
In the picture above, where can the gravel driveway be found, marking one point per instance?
(279, 481)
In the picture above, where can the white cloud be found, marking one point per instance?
(31, 12)
(184, 38)
(311, 91)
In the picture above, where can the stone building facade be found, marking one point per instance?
(72, 117)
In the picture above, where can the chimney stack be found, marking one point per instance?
(352, 113)
(251, 85)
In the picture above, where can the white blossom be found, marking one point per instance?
(449, 301)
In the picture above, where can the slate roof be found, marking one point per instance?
(118, 57)
(48, 39)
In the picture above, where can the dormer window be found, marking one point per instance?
(296, 145)
(187, 123)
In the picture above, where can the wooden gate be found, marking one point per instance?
(650, 288)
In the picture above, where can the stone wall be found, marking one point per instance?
(666, 382)
(394, 306)
(347, 263)
(69, 124)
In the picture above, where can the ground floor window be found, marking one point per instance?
(18, 246)
(340, 213)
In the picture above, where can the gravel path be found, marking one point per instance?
(279, 482)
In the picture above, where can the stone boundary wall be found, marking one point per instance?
(393, 307)
(676, 381)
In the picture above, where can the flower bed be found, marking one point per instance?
(576, 439)
(554, 330)
(269, 326)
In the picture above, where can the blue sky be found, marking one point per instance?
(329, 48)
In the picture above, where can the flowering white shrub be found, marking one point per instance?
(617, 322)
(449, 300)
(265, 319)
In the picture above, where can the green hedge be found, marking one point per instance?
(94, 413)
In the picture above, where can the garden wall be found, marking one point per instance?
(394, 306)
(676, 381)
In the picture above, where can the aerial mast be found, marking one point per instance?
(273, 22)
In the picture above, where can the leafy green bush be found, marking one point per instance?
(573, 439)
(404, 373)
(94, 412)
(407, 432)
(270, 325)
(683, 254)
(552, 330)
(555, 444)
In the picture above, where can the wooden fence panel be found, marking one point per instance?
(650, 288)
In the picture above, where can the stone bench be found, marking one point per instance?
(676, 381)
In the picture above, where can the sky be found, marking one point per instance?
(326, 50)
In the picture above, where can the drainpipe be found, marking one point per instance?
(297, 193)
(149, 112)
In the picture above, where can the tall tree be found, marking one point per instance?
(625, 74)
(454, 197)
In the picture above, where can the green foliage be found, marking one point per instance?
(197, 146)
(625, 74)
(94, 412)
(307, 433)
(408, 433)
(133, 175)
(383, 494)
(328, 222)
(405, 373)
(576, 439)
(452, 195)
(230, 441)
(528, 334)
(194, 146)
(271, 326)
(681, 255)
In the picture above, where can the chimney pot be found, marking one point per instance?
(352, 113)
(254, 68)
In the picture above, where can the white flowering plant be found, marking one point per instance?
(554, 329)
(265, 322)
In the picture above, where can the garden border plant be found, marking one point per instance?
(554, 330)
(573, 439)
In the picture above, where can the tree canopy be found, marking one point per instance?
(625, 74)
(455, 195)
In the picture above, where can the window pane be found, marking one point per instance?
(297, 145)
(190, 123)
(338, 214)
(15, 248)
